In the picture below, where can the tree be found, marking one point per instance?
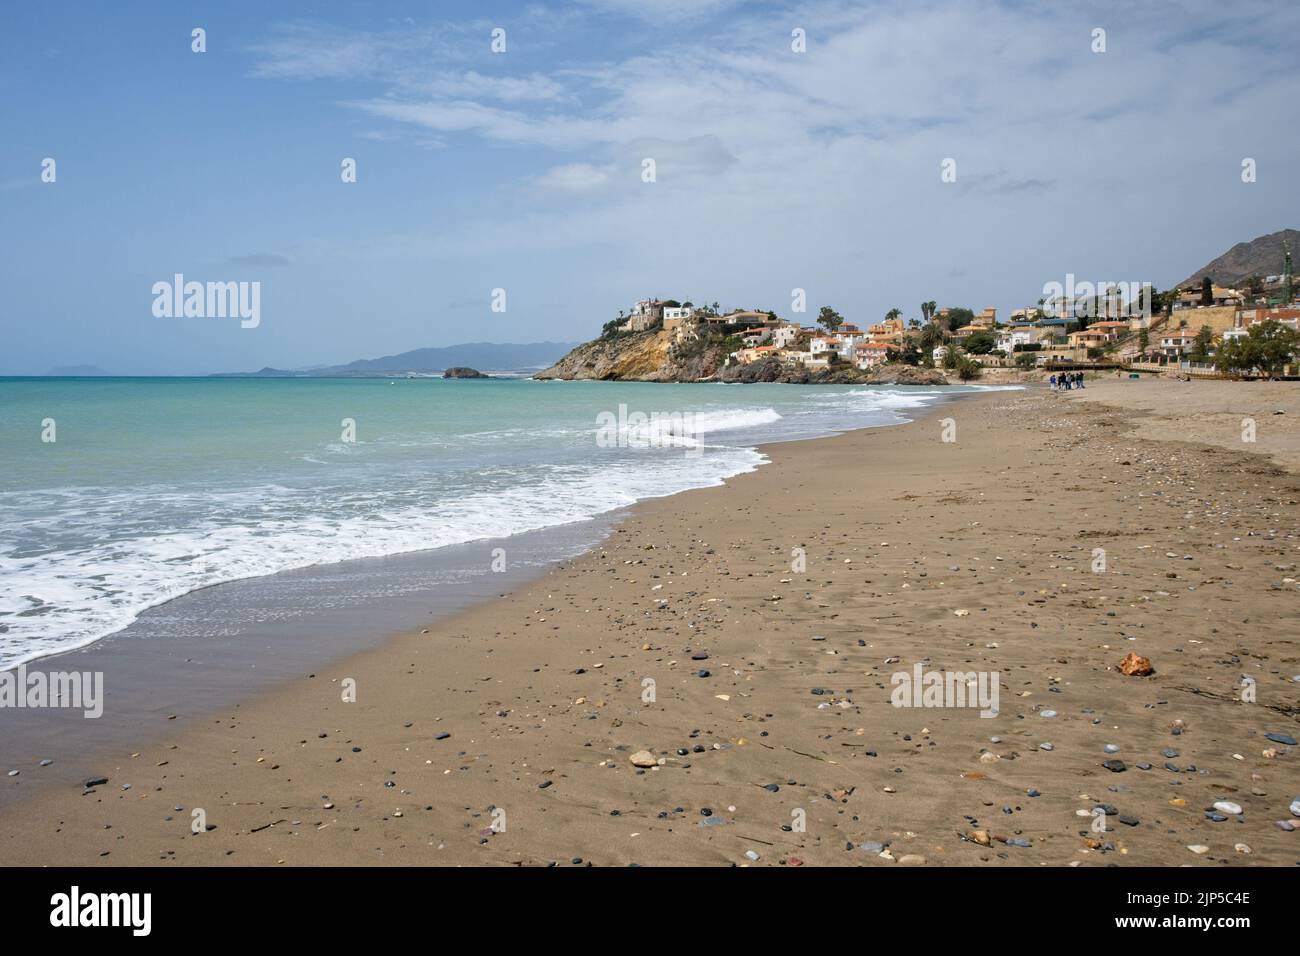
(1202, 344)
(968, 368)
(893, 314)
(1026, 360)
(1267, 347)
(910, 355)
(829, 319)
(959, 317)
(929, 338)
(1207, 291)
(1144, 341)
(979, 343)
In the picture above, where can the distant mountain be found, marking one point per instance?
(76, 371)
(492, 356)
(1259, 257)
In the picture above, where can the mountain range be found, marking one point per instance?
(491, 356)
(1259, 257)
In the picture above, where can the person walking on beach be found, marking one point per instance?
(1052, 380)
(1081, 380)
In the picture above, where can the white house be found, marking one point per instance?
(783, 335)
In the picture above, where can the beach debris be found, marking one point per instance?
(1134, 665)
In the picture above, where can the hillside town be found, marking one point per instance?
(1201, 329)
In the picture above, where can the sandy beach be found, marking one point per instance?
(505, 735)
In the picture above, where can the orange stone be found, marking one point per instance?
(1134, 666)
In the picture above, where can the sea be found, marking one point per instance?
(118, 495)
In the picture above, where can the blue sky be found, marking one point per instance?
(522, 170)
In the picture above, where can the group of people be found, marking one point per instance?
(1066, 381)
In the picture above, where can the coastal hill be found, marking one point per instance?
(654, 355)
(499, 356)
(1260, 257)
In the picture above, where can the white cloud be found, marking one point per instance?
(822, 169)
(574, 177)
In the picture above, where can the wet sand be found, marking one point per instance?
(503, 736)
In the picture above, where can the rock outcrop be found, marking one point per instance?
(653, 357)
(639, 357)
(460, 371)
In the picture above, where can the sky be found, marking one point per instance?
(523, 169)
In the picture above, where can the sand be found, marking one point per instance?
(974, 555)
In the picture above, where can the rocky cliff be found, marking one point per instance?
(639, 357)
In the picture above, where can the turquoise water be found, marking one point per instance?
(155, 487)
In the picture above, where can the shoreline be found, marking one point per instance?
(551, 746)
(182, 660)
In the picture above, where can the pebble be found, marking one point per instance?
(1111, 748)
(46, 763)
(643, 758)
(1115, 766)
(1046, 746)
(1228, 807)
(1282, 739)
(1047, 713)
(1198, 848)
(1295, 807)
(13, 773)
(750, 854)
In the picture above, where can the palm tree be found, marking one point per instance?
(893, 314)
(929, 338)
